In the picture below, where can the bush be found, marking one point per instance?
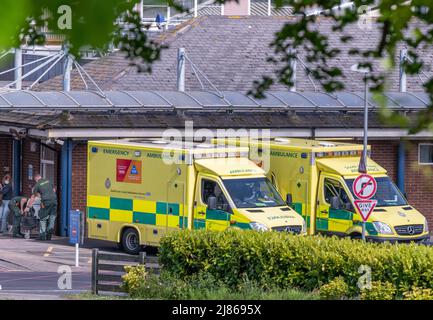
(379, 291)
(283, 260)
(134, 279)
(205, 286)
(335, 290)
(418, 294)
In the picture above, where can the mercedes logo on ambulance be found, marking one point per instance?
(410, 230)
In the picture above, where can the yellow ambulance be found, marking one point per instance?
(316, 178)
(138, 190)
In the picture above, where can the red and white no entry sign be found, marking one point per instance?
(365, 208)
(364, 187)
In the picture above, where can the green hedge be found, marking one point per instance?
(308, 262)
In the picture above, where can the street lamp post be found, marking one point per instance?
(362, 168)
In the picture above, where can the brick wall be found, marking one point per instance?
(419, 182)
(79, 176)
(5, 156)
(385, 153)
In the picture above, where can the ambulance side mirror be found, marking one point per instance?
(289, 199)
(212, 203)
(335, 203)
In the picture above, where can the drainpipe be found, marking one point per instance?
(401, 161)
(67, 67)
(66, 183)
(181, 69)
(293, 66)
(18, 66)
(16, 166)
(402, 77)
(401, 165)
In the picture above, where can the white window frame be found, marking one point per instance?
(419, 154)
(46, 162)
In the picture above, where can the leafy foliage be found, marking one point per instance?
(134, 279)
(379, 291)
(418, 294)
(278, 259)
(334, 290)
(207, 287)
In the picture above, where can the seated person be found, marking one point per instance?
(18, 206)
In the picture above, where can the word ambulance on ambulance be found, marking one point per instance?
(138, 190)
(317, 179)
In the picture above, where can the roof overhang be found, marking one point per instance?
(319, 133)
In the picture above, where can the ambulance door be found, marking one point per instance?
(334, 210)
(204, 217)
(175, 205)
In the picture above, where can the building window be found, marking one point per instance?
(425, 154)
(48, 158)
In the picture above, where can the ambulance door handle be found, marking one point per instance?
(202, 213)
(324, 211)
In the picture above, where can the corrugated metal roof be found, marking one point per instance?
(203, 100)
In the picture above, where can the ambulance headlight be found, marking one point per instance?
(382, 228)
(258, 226)
(426, 226)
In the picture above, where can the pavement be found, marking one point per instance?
(31, 269)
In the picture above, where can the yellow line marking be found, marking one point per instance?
(48, 252)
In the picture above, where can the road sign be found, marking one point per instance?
(364, 187)
(365, 208)
(74, 232)
(74, 226)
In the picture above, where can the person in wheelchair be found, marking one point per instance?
(18, 207)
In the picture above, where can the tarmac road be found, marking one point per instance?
(29, 268)
(40, 285)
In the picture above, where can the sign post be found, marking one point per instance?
(364, 188)
(74, 232)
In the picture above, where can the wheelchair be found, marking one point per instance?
(30, 221)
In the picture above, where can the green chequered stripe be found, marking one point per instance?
(297, 206)
(162, 207)
(307, 219)
(340, 214)
(98, 213)
(368, 226)
(144, 218)
(199, 224)
(121, 204)
(217, 215)
(321, 224)
(242, 225)
(183, 222)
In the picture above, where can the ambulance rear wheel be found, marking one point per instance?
(131, 241)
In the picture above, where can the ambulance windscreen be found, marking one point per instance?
(253, 193)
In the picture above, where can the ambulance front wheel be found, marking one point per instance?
(131, 241)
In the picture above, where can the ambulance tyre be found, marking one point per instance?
(131, 241)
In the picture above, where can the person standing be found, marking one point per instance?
(48, 212)
(6, 195)
(17, 206)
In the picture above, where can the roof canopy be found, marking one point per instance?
(201, 101)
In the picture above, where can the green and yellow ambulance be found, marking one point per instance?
(316, 178)
(138, 190)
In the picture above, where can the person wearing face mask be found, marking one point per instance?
(6, 195)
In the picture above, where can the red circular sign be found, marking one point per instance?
(364, 187)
